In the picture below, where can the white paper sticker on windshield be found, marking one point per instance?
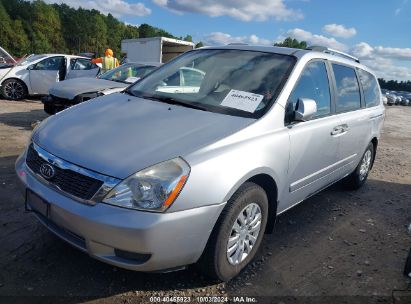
(241, 100)
(132, 79)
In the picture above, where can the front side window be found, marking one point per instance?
(370, 87)
(50, 64)
(348, 90)
(232, 82)
(313, 84)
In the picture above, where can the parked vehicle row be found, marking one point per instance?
(397, 98)
(35, 74)
(193, 163)
(74, 91)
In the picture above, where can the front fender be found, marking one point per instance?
(218, 171)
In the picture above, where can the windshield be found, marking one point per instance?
(127, 73)
(31, 59)
(233, 82)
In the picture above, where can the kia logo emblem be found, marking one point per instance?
(47, 171)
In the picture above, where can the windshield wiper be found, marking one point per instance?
(171, 100)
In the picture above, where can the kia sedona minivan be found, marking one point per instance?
(192, 164)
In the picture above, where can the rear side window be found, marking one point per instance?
(348, 90)
(82, 64)
(313, 84)
(370, 87)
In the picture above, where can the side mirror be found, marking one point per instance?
(31, 67)
(305, 110)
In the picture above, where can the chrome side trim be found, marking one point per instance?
(108, 182)
(321, 173)
(312, 194)
(376, 116)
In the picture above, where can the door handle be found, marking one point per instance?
(341, 129)
(337, 130)
(344, 128)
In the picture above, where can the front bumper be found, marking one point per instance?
(166, 240)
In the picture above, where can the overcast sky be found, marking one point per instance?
(376, 31)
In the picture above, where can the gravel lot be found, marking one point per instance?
(338, 246)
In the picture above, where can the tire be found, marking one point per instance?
(49, 109)
(14, 89)
(356, 179)
(216, 262)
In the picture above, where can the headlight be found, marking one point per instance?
(152, 189)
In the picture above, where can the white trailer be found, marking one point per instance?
(156, 49)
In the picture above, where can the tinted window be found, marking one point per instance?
(313, 84)
(348, 91)
(50, 64)
(370, 88)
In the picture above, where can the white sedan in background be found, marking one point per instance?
(37, 73)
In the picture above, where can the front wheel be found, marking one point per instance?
(356, 179)
(238, 233)
(14, 89)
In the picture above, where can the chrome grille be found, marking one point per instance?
(71, 182)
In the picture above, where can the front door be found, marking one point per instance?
(314, 160)
(45, 73)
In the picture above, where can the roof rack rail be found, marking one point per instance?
(324, 49)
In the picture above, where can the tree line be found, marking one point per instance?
(36, 27)
(28, 27)
(394, 85)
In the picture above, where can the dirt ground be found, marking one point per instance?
(337, 247)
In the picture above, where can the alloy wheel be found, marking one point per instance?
(365, 165)
(14, 90)
(244, 234)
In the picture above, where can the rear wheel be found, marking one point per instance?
(14, 89)
(356, 179)
(238, 233)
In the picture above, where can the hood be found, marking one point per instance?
(70, 88)
(118, 134)
(3, 72)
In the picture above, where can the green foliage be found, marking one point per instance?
(46, 27)
(292, 43)
(199, 45)
(6, 31)
(20, 42)
(37, 27)
(188, 38)
(145, 30)
(395, 85)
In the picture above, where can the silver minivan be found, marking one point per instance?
(193, 163)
